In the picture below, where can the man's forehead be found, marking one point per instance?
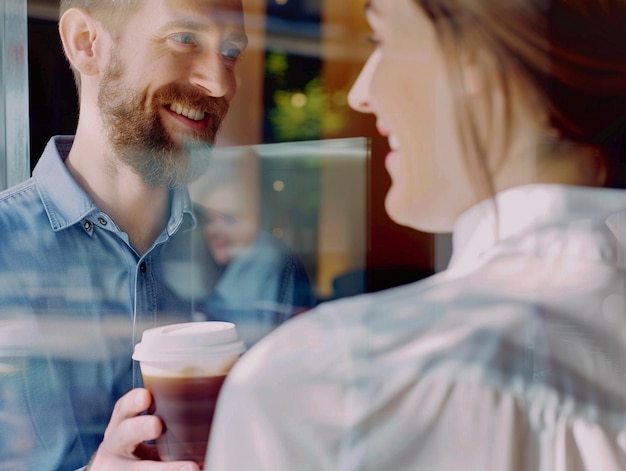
(228, 9)
(197, 13)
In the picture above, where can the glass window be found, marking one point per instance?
(288, 214)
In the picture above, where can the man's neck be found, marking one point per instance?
(139, 209)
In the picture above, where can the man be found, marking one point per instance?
(87, 242)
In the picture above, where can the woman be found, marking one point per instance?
(505, 123)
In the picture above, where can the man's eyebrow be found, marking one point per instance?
(240, 38)
(188, 25)
(196, 27)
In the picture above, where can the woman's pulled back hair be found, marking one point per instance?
(572, 54)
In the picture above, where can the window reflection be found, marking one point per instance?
(282, 221)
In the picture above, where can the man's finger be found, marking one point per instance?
(125, 437)
(129, 405)
(160, 466)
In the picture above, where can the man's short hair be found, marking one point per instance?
(108, 12)
(111, 14)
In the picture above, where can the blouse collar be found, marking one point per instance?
(591, 219)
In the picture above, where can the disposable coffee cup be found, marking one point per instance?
(184, 366)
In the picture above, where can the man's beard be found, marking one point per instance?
(140, 141)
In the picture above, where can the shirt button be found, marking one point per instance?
(87, 225)
(142, 267)
(102, 221)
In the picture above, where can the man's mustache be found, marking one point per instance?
(191, 97)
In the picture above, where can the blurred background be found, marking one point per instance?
(321, 175)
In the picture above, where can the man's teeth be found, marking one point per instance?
(393, 142)
(190, 113)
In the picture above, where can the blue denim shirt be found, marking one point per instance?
(75, 297)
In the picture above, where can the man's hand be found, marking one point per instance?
(123, 447)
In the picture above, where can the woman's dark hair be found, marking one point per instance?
(572, 54)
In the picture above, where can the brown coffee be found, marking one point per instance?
(184, 366)
(186, 407)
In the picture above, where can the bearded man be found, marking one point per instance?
(85, 242)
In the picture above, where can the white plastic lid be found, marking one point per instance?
(178, 342)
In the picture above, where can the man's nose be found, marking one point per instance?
(211, 74)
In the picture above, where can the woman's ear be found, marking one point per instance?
(478, 72)
(78, 31)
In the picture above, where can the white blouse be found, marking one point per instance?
(512, 359)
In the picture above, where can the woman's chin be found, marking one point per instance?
(398, 211)
(422, 216)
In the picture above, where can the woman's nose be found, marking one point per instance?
(359, 96)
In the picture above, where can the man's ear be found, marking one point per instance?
(78, 31)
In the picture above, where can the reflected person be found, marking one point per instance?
(82, 242)
(260, 282)
(506, 123)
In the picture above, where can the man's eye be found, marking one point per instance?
(184, 38)
(231, 53)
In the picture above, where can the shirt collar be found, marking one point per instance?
(181, 216)
(597, 216)
(64, 200)
(67, 204)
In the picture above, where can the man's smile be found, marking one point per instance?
(191, 117)
(187, 111)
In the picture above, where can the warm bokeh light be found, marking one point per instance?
(298, 100)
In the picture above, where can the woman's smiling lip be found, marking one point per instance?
(382, 129)
(392, 140)
(198, 125)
